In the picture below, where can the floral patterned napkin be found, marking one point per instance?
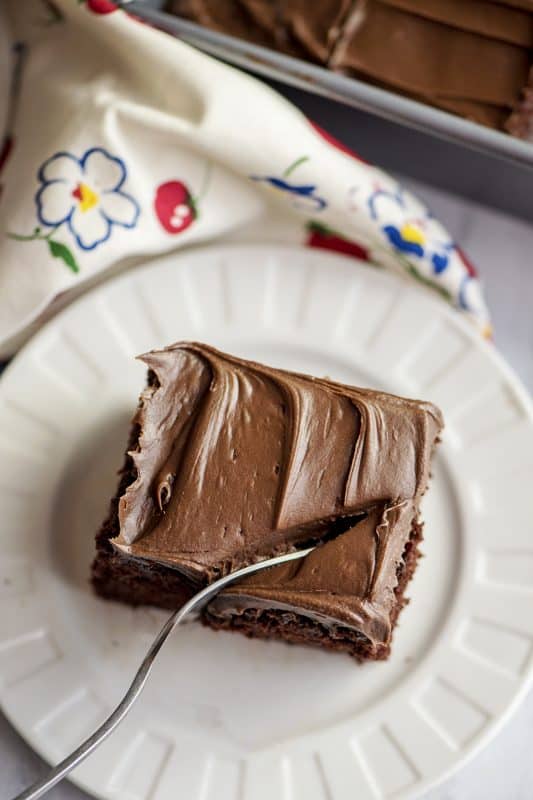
(125, 143)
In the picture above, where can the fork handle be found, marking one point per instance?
(196, 603)
(41, 787)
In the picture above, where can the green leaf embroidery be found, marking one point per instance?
(193, 203)
(318, 227)
(59, 250)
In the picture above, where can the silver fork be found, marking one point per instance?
(195, 604)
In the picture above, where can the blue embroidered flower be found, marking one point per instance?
(410, 228)
(441, 260)
(406, 241)
(86, 195)
(468, 293)
(304, 194)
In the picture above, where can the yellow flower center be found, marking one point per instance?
(85, 196)
(412, 234)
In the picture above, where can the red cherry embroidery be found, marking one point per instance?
(101, 6)
(5, 152)
(335, 142)
(174, 206)
(468, 264)
(325, 239)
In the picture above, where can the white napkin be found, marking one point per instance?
(128, 143)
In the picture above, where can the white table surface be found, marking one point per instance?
(502, 247)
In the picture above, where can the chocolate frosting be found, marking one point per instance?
(429, 58)
(346, 582)
(470, 57)
(526, 5)
(479, 16)
(237, 461)
(520, 123)
(315, 26)
(236, 19)
(484, 113)
(432, 72)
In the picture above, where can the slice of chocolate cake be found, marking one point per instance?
(231, 462)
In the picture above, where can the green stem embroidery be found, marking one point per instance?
(295, 165)
(418, 276)
(31, 237)
(325, 230)
(412, 270)
(56, 249)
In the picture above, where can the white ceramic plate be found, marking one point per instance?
(224, 718)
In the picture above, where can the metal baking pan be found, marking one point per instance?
(399, 134)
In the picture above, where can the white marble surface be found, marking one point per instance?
(502, 248)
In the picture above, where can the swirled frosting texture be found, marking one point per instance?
(237, 461)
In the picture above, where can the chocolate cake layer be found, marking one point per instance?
(258, 621)
(234, 462)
